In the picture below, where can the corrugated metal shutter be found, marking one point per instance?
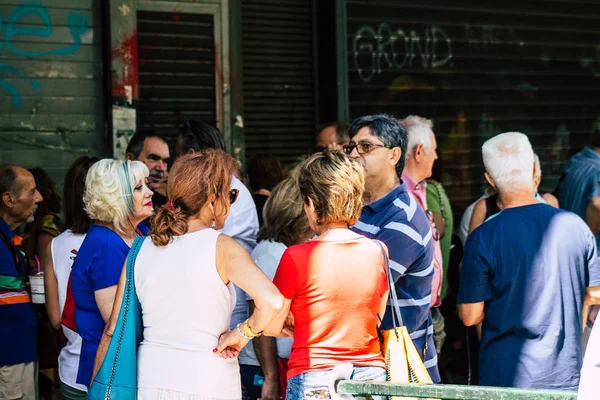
(278, 75)
(478, 69)
(176, 70)
(51, 94)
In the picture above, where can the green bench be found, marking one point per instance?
(449, 392)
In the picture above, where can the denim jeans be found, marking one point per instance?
(315, 385)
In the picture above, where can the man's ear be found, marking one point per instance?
(190, 151)
(395, 155)
(418, 152)
(490, 181)
(129, 156)
(7, 200)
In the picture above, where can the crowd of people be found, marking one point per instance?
(260, 291)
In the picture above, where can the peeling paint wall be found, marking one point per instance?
(51, 93)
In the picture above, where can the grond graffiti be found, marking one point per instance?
(12, 28)
(384, 47)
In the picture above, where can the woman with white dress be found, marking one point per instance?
(184, 275)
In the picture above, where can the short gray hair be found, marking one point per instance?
(508, 159)
(418, 129)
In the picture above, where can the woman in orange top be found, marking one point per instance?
(334, 285)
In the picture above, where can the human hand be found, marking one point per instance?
(230, 344)
(270, 389)
(288, 326)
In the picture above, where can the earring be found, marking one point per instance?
(213, 224)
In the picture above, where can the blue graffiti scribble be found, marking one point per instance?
(78, 26)
(11, 89)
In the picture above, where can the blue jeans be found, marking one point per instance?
(315, 385)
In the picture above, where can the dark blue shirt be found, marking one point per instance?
(18, 320)
(581, 182)
(398, 221)
(531, 266)
(98, 265)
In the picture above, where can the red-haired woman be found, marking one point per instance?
(183, 280)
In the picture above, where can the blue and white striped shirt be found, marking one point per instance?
(399, 222)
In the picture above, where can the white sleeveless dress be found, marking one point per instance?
(185, 307)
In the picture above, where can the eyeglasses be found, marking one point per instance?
(435, 233)
(362, 148)
(233, 195)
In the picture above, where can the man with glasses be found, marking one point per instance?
(391, 214)
(420, 155)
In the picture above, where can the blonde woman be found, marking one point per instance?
(117, 199)
(334, 285)
(285, 225)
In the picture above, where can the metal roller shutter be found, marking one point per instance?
(479, 69)
(278, 75)
(176, 70)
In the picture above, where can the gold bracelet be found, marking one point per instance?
(249, 330)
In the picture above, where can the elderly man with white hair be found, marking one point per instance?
(526, 275)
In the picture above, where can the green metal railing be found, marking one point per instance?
(449, 392)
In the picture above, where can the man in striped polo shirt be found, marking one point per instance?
(392, 215)
(18, 322)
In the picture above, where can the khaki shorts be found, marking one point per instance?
(19, 381)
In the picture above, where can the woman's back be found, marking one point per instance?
(185, 307)
(337, 289)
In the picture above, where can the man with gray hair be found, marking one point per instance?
(526, 275)
(421, 153)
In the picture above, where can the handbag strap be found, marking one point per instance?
(127, 294)
(396, 316)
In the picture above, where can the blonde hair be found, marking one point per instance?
(508, 159)
(109, 186)
(418, 130)
(284, 217)
(334, 183)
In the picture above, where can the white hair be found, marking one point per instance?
(418, 130)
(109, 186)
(538, 167)
(508, 159)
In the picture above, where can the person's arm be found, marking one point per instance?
(111, 321)
(433, 205)
(265, 348)
(471, 313)
(104, 300)
(551, 200)
(478, 216)
(592, 214)
(474, 288)
(439, 223)
(51, 288)
(235, 264)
